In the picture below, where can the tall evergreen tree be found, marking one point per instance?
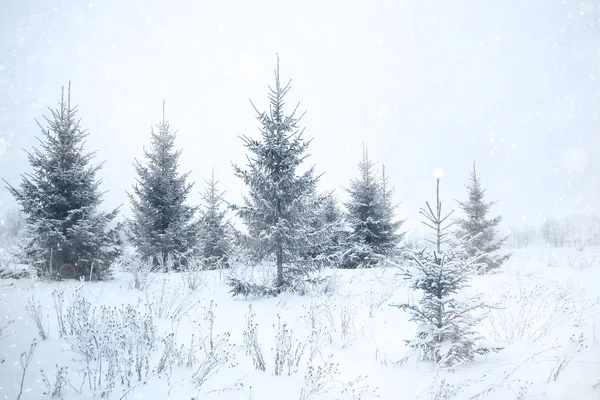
(477, 227)
(446, 331)
(370, 215)
(281, 206)
(216, 236)
(163, 225)
(61, 199)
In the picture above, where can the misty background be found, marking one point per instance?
(511, 84)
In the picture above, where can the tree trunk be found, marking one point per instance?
(279, 265)
(279, 250)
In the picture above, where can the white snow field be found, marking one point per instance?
(347, 343)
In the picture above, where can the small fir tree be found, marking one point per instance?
(163, 226)
(370, 216)
(446, 331)
(481, 231)
(61, 202)
(216, 236)
(281, 207)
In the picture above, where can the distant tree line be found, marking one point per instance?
(573, 230)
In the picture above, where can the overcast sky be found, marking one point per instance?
(511, 84)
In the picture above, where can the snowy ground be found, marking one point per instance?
(350, 339)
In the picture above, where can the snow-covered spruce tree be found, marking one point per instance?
(216, 235)
(61, 199)
(333, 219)
(482, 231)
(370, 215)
(163, 226)
(446, 331)
(281, 206)
(330, 249)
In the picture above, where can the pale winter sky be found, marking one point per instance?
(512, 84)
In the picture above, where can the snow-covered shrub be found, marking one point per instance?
(56, 387)
(140, 270)
(347, 317)
(192, 273)
(382, 292)
(12, 229)
(313, 284)
(35, 312)
(207, 328)
(319, 379)
(288, 351)
(220, 353)
(251, 341)
(117, 344)
(442, 390)
(357, 390)
(340, 320)
(58, 299)
(528, 313)
(313, 318)
(165, 264)
(4, 324)
(169, 355)
(246, 288)
(167, 302)
(574, 347)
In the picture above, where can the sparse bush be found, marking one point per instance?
(192, 273)
(347, 316)
(35, 312)
(288, 351)
(313, 284)
(383, 291)
(209, 317)
(313, 319)
(251, 341)
(139, 269)
(4, 324)
(340, 319)
(576, 344)
(356, 390)
(167, 303)
(26, 358)
(59, 385)
(168, 355)
(218, 355)
(58, 297)
(442, 390)
(117, 344)
(530, 313)
(318, 380)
